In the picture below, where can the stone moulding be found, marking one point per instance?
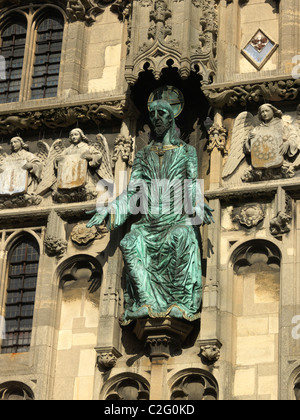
(195, 51)
(76, 10)
(55, 116)
(255, 91)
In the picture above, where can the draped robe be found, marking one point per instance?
(161, 251)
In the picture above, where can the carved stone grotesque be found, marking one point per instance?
(20, 174)
(272, 147)
(210, 352)
(280, 224)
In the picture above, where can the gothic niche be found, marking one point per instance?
(15, 391)
(128, 389)
(195, 386)
(81, 274)
(260, 261)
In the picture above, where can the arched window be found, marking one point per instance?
(13, 39)
(21, 287)
(47, 57)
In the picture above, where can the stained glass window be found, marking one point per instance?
(22, 278)
(47, 58)
(13, 39)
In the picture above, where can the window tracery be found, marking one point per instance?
(31, 44)
(13, 40)
(22, 274)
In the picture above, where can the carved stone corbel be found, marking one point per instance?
(55, 243)
(211, 353)
(210, 350)
(107, 357)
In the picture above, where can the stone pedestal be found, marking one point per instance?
(162, 336)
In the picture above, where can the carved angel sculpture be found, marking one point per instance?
(20, 172)
(73, 172)
(271, 146)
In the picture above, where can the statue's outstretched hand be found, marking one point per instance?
(208, 217)
(99, 216)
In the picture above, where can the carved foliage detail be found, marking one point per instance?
(217, 139)
(243, 94)
(123, 147)
(250, 215)
(162, 50)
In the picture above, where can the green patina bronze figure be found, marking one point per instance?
(161, 252)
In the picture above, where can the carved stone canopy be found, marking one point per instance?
(160, 40)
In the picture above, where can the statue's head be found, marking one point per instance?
(17, 143)
(77, 136)
(161, 117)
(267, 112)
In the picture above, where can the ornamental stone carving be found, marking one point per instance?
(280, 224)
(20, 174)
(62, 117)
(270, 146)
(161, 40)
(249, 215)
(55, 247)
(123, 147)
(210, 352)
(217, 139)
(81, 235)
(221, 95)
(70, 171)
(107, 360)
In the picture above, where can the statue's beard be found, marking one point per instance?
(160, 129)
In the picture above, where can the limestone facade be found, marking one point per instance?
(226, 57)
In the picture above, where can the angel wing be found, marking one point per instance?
(296, 124)
(43, 151)
(244, 123)
(48, 175)
(105, 169)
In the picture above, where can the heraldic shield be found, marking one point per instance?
(265, 149)
(72, 172)
(13, 179)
